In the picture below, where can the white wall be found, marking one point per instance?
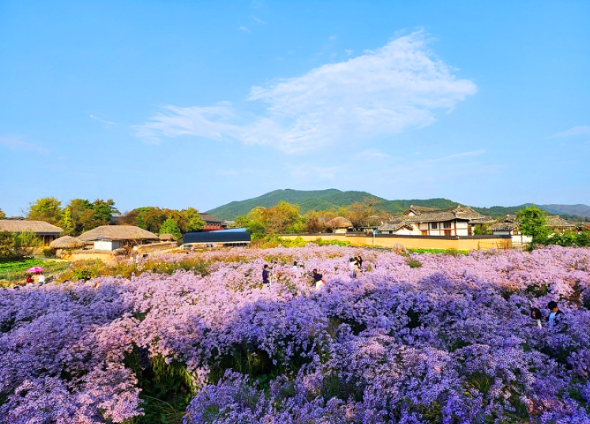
(107, 245)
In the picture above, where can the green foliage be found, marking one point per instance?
(569, 238)
(2, 214)
(17, 245)
(532, 222)
(66, 222)
(280, 219)
(413, 263)
(452, 252)
(194, 222)
(46, 209)
(171, 227)
(166, 387)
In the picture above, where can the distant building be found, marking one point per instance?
(44, 230)
(212, 223)
(509, 225)
(339, 225)
(222, 238)
(424, 221)
(111, 237)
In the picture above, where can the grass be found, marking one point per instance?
(15, 271)
(452, 252)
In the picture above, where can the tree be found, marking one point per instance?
(194, 222)
(46, 209)
(104, 210)
(171, 227)
(531, 222)
(282, 218)
(2, 214)
(17, 245)
(82, 214)
(66, 222)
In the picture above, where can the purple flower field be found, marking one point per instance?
(446, 340)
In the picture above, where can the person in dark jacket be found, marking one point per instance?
(554, 315)
(265, 275)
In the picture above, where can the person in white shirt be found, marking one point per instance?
(41, 279)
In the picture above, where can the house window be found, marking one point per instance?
(447, 232)
(435, 225)
(447, 225)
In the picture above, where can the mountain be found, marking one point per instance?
(333, 199)
(307, 200)
(580, 210)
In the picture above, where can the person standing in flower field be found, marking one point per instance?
(265, 275)
(352, 267)
(41, 279)
(555, 314)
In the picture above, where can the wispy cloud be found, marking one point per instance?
(381, 92)
(457, 155)
(575, 131)
(15, 143)
(226, 172)
(371, 154)
(349, 52)
(243, 28)
(102, 121)
(258, 20)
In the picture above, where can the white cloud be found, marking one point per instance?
(349, 51)
(102, 121)
(381, 92)
(15, 143)
(582, 130)
(258, 20)
(458, 155)
(371, 154)
(243, 28)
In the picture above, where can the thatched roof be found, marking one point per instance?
(66, 242)
(41, 228)
(166, 237)
(339, 222)
(118, 232)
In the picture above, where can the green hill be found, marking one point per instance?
(333, 199)
(307, 200)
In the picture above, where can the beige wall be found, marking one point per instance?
(462, 243)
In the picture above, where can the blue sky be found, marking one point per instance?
(194, 103)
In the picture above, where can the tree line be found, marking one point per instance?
(285, 218)
(81, 215)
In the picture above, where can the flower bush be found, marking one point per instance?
(450, 341)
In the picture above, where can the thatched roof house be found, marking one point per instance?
(339, 224)
(67, 242)
(44, 230)
(166, 237)
(119, 233)
(112, 237)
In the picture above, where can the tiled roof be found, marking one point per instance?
(463, 213)
(210, 219)
(510, 222)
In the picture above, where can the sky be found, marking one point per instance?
(198, 103)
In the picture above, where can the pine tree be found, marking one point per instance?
(66, 222)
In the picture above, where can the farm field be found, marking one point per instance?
(196, 338)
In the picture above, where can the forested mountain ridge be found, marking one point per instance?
(333, 199)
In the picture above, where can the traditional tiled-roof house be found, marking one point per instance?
(509, 226)
(212, 223)
(425, 221)
(44, 230)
